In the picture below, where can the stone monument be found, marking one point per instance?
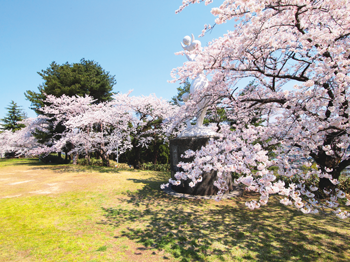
(194, 136)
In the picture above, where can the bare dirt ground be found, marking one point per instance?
(21, 181)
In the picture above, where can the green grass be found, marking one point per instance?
(205, 231)
(111, 215)
(18, 161)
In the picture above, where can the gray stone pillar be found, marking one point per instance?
(178, 146)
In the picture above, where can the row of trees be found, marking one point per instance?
(80, 115)
(297, 51)
(107, 128)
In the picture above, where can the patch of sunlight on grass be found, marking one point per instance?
(54, 227)
(62, 226)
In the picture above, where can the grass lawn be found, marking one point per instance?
(76, 213)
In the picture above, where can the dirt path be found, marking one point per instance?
(21, 181)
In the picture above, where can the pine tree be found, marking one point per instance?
(180, 91)
(13, 117)
(84, 78)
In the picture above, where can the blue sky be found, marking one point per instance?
(133, 40)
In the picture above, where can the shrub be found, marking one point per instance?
(120, 165)
(93, 162)
(344, 183)
(155, 167)
(99, 162)
(53, 159)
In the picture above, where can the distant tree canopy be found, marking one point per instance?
(84, 78)
(13, 117)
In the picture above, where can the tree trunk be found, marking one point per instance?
(87, 157)
(324, 161)
(137, 159)
(105, 159)
(155, 156)
(155, 153)
(178, 146)
(75, 158)
(204, 188)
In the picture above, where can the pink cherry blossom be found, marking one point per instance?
(279, 44)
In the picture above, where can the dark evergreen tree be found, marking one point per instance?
(14, 115)
(84, 78)
(180, 91)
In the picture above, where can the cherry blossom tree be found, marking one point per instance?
(297, 51)
(7, 139)
(147, 125)
(104, 127)
(22, 142)
(89, 127)
(107, 128)
(57, 112)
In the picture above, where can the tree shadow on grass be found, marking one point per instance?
(67, 168)
(21, 162)
(78, 169)
(200, 230)
(61, 168)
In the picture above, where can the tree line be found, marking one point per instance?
(84, 90)
(285, 135)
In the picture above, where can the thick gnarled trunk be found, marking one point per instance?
(206, 187)
(332, 163)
